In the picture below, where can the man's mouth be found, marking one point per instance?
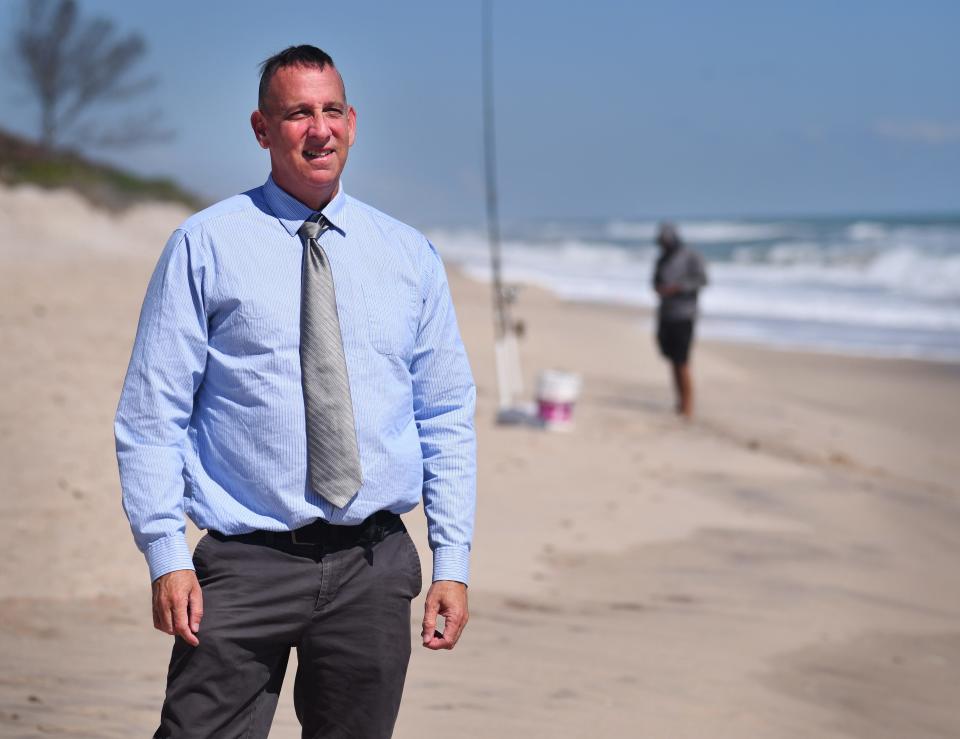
(312, 154)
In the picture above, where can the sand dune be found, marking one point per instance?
(782, 567)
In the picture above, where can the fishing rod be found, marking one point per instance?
(506, 351)
(490, 168)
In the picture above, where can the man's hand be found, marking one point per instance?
(178, 605)
(447, 598)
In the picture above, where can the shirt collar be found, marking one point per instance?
(292, 213)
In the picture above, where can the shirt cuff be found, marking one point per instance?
(451, 563)
(168, 554)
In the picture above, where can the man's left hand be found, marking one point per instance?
(447, 598)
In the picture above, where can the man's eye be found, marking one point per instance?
(335, 112)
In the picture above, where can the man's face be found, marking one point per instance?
(309, 129)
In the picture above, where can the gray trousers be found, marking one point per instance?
(346, 612)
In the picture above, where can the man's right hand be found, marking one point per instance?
(178, 605)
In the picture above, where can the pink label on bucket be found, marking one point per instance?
(550, 412)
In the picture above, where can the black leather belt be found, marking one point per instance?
(323, 536)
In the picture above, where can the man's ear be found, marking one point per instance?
(259, 125)
(351, 125)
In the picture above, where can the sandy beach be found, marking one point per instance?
(783, 566)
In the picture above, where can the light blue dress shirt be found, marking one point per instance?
(211, 417)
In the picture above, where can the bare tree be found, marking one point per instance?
(71, 64)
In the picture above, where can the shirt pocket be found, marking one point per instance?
(392, 315)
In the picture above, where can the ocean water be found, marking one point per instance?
(867, 286)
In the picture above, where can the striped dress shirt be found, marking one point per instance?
(211, 418)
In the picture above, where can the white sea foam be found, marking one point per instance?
(866, 231)
(696, 231)
(710, 232)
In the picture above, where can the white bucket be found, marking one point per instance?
(557, 392)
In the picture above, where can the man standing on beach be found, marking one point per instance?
(678, 277)
(297, 381)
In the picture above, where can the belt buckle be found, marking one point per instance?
(295, 540)
(314, 539)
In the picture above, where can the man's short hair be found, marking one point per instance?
(293, 56)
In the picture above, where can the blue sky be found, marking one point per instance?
(604, 109)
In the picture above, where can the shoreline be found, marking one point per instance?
(649, 313)
(645, 313)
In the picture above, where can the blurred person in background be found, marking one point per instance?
(678, 277)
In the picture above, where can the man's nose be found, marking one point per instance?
(319, 126)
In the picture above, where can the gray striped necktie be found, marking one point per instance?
(334, 462)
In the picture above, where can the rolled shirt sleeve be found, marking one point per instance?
(165, 371)
(444, 401)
